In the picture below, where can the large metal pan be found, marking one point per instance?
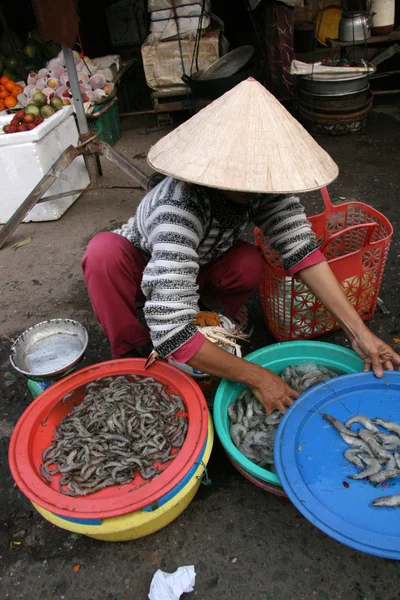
(323, 84)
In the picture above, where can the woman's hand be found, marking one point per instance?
(273, 392)
(267, 387)
(375, 353)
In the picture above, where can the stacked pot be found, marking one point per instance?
(335, 104)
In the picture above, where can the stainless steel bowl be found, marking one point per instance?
(49, 349)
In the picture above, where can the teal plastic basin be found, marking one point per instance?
(276, 358)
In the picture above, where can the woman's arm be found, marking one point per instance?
(267, 387)
(324, 285)
(284, 223)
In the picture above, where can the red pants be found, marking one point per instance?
(113, 268)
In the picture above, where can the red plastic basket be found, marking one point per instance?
(355, 239)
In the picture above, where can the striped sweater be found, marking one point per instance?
(182, 227)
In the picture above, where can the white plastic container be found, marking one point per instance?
(27, 156)
(384, 12)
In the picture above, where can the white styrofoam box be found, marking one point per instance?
(27, 156)
(163, 24)
(127, 22)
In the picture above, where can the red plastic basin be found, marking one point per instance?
(34, 432)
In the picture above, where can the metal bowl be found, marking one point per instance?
(49, 349)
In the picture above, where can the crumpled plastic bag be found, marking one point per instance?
(170, 586)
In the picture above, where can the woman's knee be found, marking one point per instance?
(250, 265)
(103, 251)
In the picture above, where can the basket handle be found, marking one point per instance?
(326, 198)
(104, 109)
(258, 236)
(370, 231)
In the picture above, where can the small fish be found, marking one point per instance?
(237, 432)
(123, 425)
(384, 475)
(232, 412)
(352, 456)
(249, 411)
(377, 450)
(389, 501)
(255, 421)
(391, 463)
(356, 444)
(274, 418)
(262, 438)
(362, 420)
(373, 467)
(249, 452)
(44, 474)
(389, 441)
(339, 426)
(240, 413)
(389, 425)
(306, 375)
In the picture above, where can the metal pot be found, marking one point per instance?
(334, 85)
(336, 104)
(355, 26)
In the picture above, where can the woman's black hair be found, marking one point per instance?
(154, 180)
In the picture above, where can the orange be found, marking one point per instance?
(4, 79)
(3, 94)
(9, 85)
(17, 89)
(2, 88)
(10, 102)
(2, 105)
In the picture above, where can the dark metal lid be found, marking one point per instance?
(229, 64)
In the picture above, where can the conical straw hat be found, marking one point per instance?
(244, 141)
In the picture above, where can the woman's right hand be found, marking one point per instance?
(268, 388)
(273, 392)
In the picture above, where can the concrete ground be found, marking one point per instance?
(244, 543)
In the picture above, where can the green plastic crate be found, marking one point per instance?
(107, 122)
